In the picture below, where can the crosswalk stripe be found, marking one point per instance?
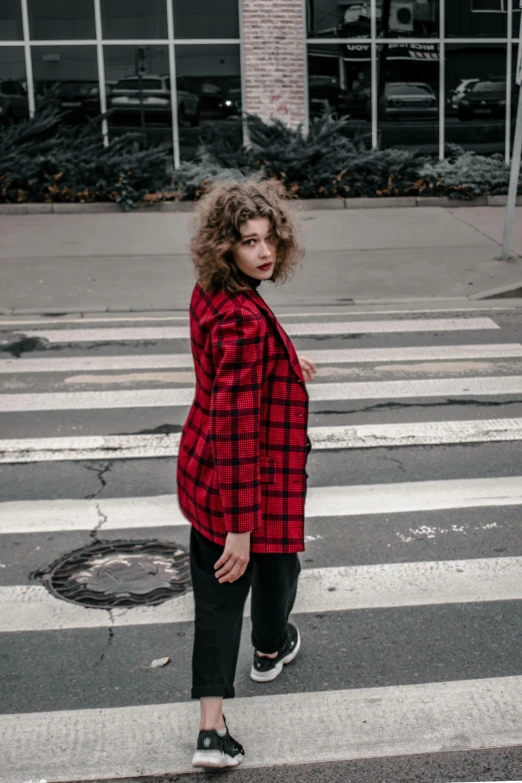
(348, 437)
(159, 739)
(336, 355)
(346, 588)
(166, 398)
(124, 333)
(39, 516)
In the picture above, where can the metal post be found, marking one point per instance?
(515, 161)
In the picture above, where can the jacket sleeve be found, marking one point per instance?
(235, 411)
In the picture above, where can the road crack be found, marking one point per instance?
(103, 519)
(109, 640)
(100, 472)
(393, 406)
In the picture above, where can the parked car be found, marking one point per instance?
(325, 91)
(456, 95)
(79, 100)
(233, 102)
(402, 99)
(13, 102)
(155, 102)
(486, 98)
(213, 102)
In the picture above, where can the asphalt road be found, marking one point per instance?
(62, 675)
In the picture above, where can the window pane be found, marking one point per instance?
(330, 18)
(487, 5)
(206, 19)
(11, 21)
(476, 95)
(138, 90)
(409, 19)
(339, 78)
(51, 19)
(13, 87)
(134, 18)
(471, 19)
(209, 94)
(71, 74)
(408, 101)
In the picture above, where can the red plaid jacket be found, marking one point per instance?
(243, 449)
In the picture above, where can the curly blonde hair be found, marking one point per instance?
(222, 211)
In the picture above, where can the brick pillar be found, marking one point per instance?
(274, 60)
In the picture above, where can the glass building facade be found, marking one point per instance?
(161, 67)
(417, 73)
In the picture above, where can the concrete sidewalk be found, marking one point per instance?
(141, 261)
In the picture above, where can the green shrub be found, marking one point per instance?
(465, 175)
(44, 160)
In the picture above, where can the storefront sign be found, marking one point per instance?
(425, 52)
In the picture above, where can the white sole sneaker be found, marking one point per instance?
(278, 668)
(215, 759)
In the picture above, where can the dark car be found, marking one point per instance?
(408, 99)
(151, 96)
(79, 100)
(485, 99)
(325, 91)
(13, 102)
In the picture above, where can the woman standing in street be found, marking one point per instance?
(241, 468)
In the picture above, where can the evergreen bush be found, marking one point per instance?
(45, 160)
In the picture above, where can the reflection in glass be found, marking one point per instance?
(339, 79)
(55, 19)
(138, 90)
(67, 75)
(11, 21)
(330, 18)
(476, 18)
(13, 87)
(206, 18)
(352, 18)
(209, 94)
(408, 95)
(476, 96)
(134, 18)
(408, 18)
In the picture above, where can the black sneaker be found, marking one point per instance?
(267, 669)
(215, 752)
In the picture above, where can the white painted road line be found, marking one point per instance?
(42, 516)
(89, 447)
(159, 739)
(359, 436)
(159, 361)
(347, 588)
(51, 364)
(154, 333)
(167, 398)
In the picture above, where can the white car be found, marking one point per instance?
(460, 91)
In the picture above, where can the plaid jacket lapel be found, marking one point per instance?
(294, 361)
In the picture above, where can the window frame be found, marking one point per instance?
(502, 10)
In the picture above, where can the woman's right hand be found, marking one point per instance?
(233, 562)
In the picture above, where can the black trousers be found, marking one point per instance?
(219, 612)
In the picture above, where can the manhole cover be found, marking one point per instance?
(120, 573)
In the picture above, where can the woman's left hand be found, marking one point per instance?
(307, 367)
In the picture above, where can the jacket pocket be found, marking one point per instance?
(267, 470)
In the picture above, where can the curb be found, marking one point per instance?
(514, 290)
(306, 204)
(452, 302)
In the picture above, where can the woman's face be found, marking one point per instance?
(256, 249)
